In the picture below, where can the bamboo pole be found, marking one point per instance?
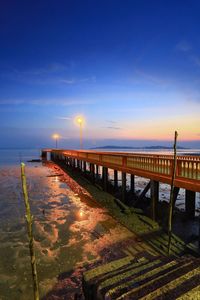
(172, 194)
(29, 220)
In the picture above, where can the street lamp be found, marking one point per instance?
(80, 122)
(56, 138)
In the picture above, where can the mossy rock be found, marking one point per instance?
(91, 277)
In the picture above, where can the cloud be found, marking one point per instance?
(48, 69)
(183, 46)
(143, 76)
(64, 118)
(54, 73)
(110, 121)
(113, 127)
(47, 101)
(67, 81)
(78, 80)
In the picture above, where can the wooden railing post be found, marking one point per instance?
(124, 161)
(178, 168)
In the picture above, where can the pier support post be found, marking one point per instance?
(78, 164)
(147, 187)
(190, 203)
(44, 155)
(70, 162)
(105, 178)
(154, 198)
(84, 166)
(115, 180)
(175, 195)
(92, 173)
(132, 183)
(123, 187)
(52, 156)
(73, 162)
(97, 172)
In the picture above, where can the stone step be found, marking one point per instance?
(192, 294)
(173, 285)
(120, 289)
(147, 279)
(125, 276)
(160, 244)
(103, 272)
(109, 267)
(161, 284)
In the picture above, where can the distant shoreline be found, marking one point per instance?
(139, 148)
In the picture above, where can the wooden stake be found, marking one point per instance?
(172, 195)
(29, 220)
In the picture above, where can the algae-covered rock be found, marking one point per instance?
(91, 277)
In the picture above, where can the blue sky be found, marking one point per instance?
(130, 68)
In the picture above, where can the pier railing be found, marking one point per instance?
(188, 167)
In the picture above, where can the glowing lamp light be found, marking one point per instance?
(80, 120)
(56, 136)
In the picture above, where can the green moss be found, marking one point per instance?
(136, 268)
(88, 275)
(173, 284)
(158, 291)
(192, 294)
(141, 277)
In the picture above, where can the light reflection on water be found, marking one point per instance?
(67, 232)
(81, 214)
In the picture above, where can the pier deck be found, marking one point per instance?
(153, 166)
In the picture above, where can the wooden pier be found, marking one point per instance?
(156, 168)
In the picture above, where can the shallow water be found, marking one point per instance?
(68, 232)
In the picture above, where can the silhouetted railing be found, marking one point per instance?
(187, 166)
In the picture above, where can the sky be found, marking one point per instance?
(129, 68)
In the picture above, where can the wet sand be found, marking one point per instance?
(70, 233)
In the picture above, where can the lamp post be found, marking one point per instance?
(80, 122)
(56, 137)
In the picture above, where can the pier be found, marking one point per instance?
(156, 168)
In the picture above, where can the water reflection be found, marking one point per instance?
(56, 179)
(67, 231)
